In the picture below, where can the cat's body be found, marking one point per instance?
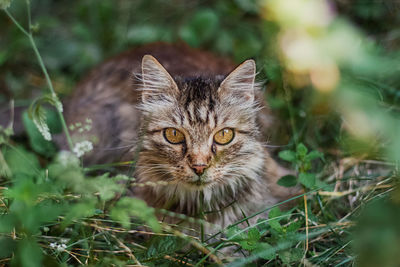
(180, 119)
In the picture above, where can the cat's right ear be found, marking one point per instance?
(239, 84)
(157, 83)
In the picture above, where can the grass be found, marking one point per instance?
(340, 135)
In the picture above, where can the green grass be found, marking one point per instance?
(339, 133)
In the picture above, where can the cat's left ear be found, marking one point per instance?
(240, 82)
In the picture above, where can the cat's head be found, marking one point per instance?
(199, 132)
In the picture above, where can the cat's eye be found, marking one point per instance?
(174, 136)
(224, 136)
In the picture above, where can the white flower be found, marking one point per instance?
(67, 158)
(61, 247)
(53, 245)
(81, 148)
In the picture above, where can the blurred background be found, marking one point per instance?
(331, 71)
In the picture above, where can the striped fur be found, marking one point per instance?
(199, 94)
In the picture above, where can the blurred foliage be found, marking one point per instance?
(332, 81)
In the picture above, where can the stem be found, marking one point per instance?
(16, 23)
(44, 70)
(49, 83)
(306, 213)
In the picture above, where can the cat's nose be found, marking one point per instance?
(199, 168)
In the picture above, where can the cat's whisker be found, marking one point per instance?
(199, 102)
(118, 147)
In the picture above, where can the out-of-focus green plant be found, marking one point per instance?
(317, 48)
(301, 160)
(333, 83)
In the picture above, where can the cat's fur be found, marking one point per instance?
(198, 94)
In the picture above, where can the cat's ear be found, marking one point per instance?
(157, 82)
(240, 82)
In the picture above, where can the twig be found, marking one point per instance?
(127, 249)
(347, 192)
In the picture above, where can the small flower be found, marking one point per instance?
(61, 247)
(67, 158)
(4, 4)
(81, 148)
(53, 245)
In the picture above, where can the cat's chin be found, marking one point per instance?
(198, 184)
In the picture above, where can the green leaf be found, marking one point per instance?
(307, 179)
(287, 181)
(7, 223)
(301, 150)
(234, 233)
(314, 155)
(294, 226)
(251, 242)
(29, 253)
(285, 256)
(106, 187)
(127, 207)
(37, 141)
(80, 210)
(265, 251)
(287, 155)
(7, 246)
(262, 225)
(273, 219)
(201, 27)
(274, 213)
(254, 234)
(21, 162)
(248, 5)
(161, 246)
(144, 33)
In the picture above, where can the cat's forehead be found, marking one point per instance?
(198, 91)
(200, 108)
(198, 105)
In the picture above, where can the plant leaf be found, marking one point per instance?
(265, 251)
(287, 181)
(307, 179)
(314, 155)
(287, 155)
(301, 150)
(128, 206)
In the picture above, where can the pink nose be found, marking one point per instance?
(199, 168)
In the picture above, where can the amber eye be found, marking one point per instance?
(224, 136)
(174, 136)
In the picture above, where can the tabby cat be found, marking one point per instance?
(194, 121)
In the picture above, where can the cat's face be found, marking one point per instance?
(199, 133)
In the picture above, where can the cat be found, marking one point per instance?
(197, 123)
